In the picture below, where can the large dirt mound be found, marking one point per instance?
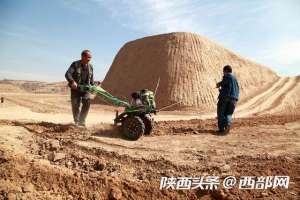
(189, 67)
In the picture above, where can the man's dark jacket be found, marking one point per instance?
(229, 87)
(80, 74)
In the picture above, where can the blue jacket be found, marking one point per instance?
(229, 87)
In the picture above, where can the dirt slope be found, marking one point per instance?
(281, 98)
(4, 88)
(15, 86)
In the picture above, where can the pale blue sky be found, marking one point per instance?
(40, 38)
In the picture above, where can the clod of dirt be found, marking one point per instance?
(219, 194)
(28, 188)
(85, 163)
(264, 194)
(225, 168)
(99, 165)
(69, 164)
(93, 174)
(3, 160)
(115, 194)
(53, 156)
(11, 196)
(54, 145)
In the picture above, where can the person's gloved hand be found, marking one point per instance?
(73, 85)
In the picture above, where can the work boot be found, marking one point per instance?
(81, 124)
(227, 129)
(220, 132)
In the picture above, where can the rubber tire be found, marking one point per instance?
(148, 122)
(133, 127)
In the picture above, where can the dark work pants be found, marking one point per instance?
(225, 109)
(79, 115)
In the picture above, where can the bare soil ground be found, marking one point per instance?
(43, 156)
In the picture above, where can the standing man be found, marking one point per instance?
(228, 97)
(80, 72)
